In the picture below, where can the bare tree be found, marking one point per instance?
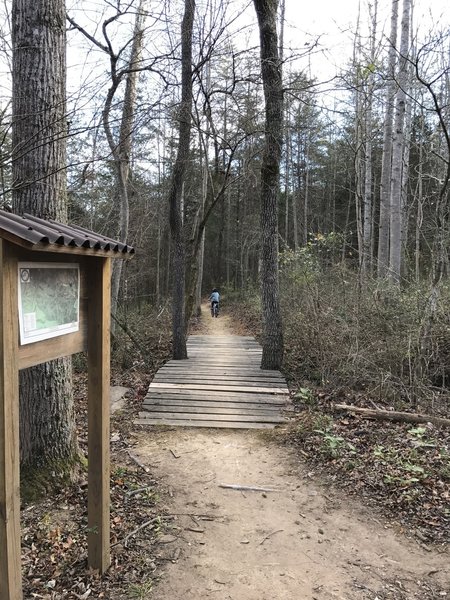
(121, 150)
(121, 145)
(439, 100)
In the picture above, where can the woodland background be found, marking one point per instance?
(363, 195)
(349, 225)
(361, 220)
(363, 199)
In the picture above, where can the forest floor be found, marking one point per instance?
(177, 533)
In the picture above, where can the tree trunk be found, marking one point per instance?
(359, 141)
(198, 292)
(359, 178)
(405, 205)
(272, 332)
(286, 144)
(398, 149)
(419, 199)
(176, 188)
(288, 161)
(158, 268)
(385, 183)
(306, 193)
(294, 202)
(204, 161)
(39, 130)
(367, 198)
(121, 149)
(368, 135)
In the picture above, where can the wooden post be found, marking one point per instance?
(10, 552)
(99, 306)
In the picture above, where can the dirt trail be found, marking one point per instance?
(301, 541)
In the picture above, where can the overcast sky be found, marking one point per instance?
(329, 23)
(333, 22)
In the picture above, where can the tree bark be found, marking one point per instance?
(367, 197)
(368, 141)
(204, 161)
(176, 189)
(39, 130)
(398, 149)
(272, 332)
(385, 183)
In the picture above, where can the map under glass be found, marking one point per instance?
(49, 300)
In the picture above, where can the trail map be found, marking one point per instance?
(49, 295)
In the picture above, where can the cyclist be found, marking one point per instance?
(214, 299)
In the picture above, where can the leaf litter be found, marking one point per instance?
(55, 530)
(403, 470)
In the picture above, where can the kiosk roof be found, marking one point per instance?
(45, 234)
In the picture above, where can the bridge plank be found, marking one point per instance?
(219, 417)
(213, 410)
(221, 387)
(210, 424)
(200, 395)
(207, 404)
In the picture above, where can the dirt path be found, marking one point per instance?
(301, 541)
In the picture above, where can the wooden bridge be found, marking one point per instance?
(219, 385)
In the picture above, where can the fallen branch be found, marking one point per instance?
(269, 535)
(196, 516)
(124, 542)
(138, 491)
(245, 488)
(391, 415)
(138, 462)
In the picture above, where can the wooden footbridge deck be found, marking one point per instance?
(219, 385)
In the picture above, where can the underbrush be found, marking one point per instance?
(376, 341)
(142, 338)
(55, 529)
(368, 341)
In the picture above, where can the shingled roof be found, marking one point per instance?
(41, 234)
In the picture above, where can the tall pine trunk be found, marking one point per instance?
(272, 332)
(385, 183)
(39, 129)
(398, 149)
(176, 188)
(368, 141)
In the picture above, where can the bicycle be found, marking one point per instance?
(214, 309)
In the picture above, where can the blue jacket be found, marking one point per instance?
(215, 297)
